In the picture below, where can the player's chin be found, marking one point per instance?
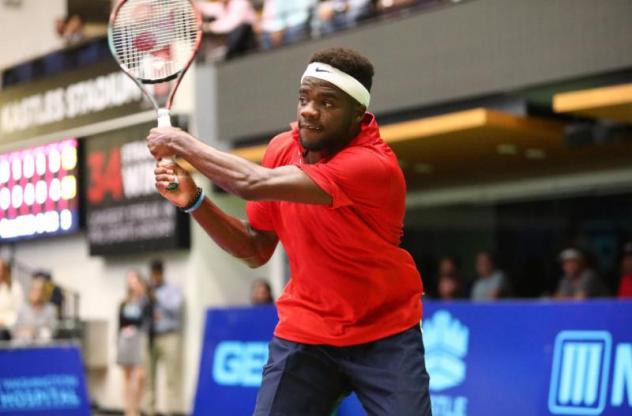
(314, 140)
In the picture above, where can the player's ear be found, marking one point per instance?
(359, 112)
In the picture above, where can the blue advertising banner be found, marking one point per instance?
(504, 358)
(42, 381)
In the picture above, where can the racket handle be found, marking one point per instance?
(164, 120)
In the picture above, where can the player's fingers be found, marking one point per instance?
(165, 178)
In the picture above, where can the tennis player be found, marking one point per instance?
(333, 193)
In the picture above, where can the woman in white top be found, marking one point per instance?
(11, 299)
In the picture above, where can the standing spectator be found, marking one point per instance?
(52, 292)
(491, 283)
(165, 346)
(261, 293)
(625, 284)
(449, 285)
(233, 19)
(134, 320)
(36, 319)
(285, 21)
(11, 299)
(578, 281)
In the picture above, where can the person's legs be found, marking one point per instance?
(389, 375)
(127, 390)
(299, 379)
(151, 367)
(138, 386)
(171, 357)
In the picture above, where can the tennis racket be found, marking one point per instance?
(154, 42)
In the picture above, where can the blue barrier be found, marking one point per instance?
(506, 358)
(42, 381)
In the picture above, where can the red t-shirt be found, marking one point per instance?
(625, 287)
(350, 282)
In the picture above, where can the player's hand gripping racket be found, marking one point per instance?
(155, 41)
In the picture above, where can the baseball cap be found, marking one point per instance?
(571, 254)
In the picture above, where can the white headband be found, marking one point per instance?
(340, 79)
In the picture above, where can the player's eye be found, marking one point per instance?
(302, 100)
(328, 104)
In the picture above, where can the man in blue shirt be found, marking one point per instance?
(165, 345)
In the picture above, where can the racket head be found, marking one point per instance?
(154, 41)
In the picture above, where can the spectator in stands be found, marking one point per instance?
(52, 292)
(578, 281)
(70, 29)
(233, 19)
(449, 284)
(134, 320)
(285, 21)
(36, 319)
(261, 293)
(491, 282)
(334, 15)
(11, 299)
(165, 347)
(625, 284)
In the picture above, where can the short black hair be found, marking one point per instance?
(156, 266)
(348, 61)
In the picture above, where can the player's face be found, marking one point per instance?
(328, 118)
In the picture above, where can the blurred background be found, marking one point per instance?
(511, 120)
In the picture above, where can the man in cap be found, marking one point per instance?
(578, 281)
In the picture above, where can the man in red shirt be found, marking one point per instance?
(332, 192)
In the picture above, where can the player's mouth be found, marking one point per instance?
(310, 127)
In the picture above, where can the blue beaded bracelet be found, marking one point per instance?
(196, 204)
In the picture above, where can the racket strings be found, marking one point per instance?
(154, 39)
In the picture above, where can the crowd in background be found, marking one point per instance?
(244, 25)
(32, 316)
(578, 281)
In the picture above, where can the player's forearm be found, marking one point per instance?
(231, 234)
(234, 174)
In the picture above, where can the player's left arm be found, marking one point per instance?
(235, 174)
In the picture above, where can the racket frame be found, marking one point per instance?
(163, 115)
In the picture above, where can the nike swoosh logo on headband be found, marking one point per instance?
(322, 70)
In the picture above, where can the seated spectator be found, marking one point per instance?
(491, 282)
(625, 284)
(261, 293)
(11, 299)
(52, 292)
(233, 19)
(449, 285)
(285, 21)
(578, 281)
(334, 15)
(36, 319)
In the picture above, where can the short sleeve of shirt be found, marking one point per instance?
(354, 176)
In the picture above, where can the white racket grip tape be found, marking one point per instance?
(164, 120)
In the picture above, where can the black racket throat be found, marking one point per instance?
(161, 80)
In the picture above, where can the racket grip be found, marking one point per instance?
(164, 120)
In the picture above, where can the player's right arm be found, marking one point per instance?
(235, 236)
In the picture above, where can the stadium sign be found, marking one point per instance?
(506, 358)
(73, 99)
(124, 212)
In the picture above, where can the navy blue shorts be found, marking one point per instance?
(388, 376)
